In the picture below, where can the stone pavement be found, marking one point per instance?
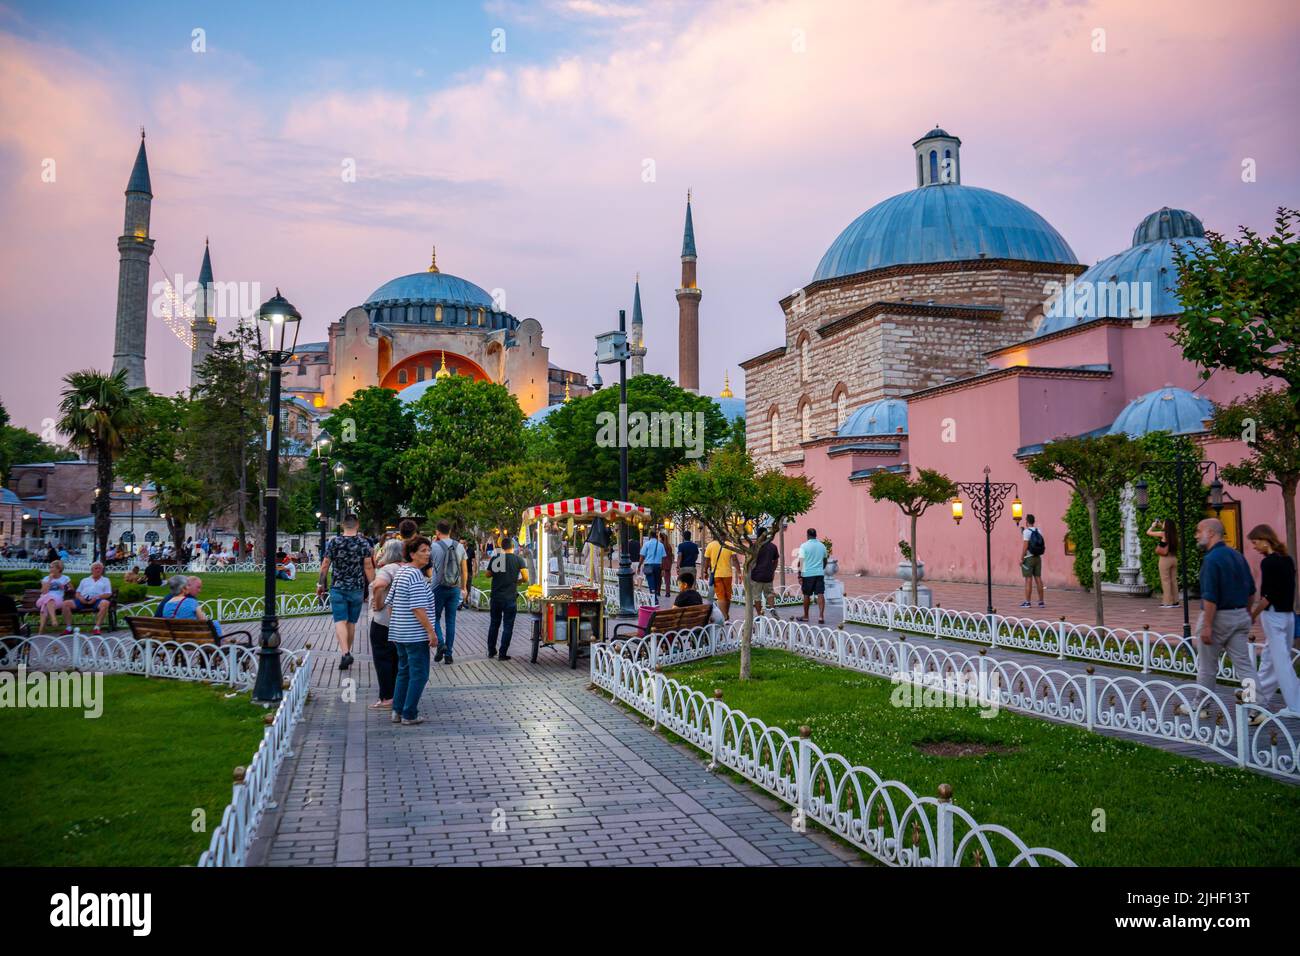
(518, 764)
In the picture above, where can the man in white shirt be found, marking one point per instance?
(95, 593)
(287, 571)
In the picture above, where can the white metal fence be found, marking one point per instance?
(885, 818)
(75, 565)
(244, 608)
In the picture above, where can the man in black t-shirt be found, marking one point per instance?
(505, 569)
(470, 554)
(688, 554)
(687, 596)
(763, 574)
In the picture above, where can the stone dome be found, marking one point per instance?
(1168, 409)
(885, 416)
(431, 288)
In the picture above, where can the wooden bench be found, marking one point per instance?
(670, 619)
(12, 633)
(183, 631)
(28, 607)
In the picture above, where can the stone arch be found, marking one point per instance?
(805, 419)
(432, 360)
(774, 429)
(803, 348)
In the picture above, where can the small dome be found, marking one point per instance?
(539, 416)
(885, 416)
(413, 393)
(732, 408)
(432, 288)
(1168, 409)
(935, 133)
(1166, 223)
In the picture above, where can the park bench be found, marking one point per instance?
(13, 632)
(183, 631)
(28, 607)
(670, 619)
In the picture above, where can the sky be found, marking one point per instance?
(546, 147)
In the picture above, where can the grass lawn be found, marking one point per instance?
(1160, 809)
(238, 584)
(120, 790)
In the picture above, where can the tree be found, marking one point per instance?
(20, 445)
(498, 499)
(463, 428)
(1094, 466)
(587, 440)
(369, 433)
(914, 498)
(99, 413)
(742, 508)
(1269, 423)
(1241, 302)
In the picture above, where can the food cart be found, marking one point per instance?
(569, 614)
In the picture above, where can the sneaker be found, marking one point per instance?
(1260, 718)
(1042, 604)
(345, 662)
(67, 631)
(1025, 604)
(438, 654)
(447, 660)
(492, 652)
(503, 657)
(412, 722)
(397, 718)
(95, 632)
(1182, 711)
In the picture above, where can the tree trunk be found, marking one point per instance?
(747, 633)
(912, 543)
(1094, 525)
(103, 504)
(1288, 511)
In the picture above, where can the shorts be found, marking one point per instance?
(765, 592)
(1031, 565)
(812, 584)
(722, 589)
(79, 605)
(346, 605)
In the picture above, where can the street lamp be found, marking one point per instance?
(1142, 501)
(132, 491)
(322, 446)
(986, 498)
(612, 348)
(277, 337)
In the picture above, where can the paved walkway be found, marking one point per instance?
(519, 764)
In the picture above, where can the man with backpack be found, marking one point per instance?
(1031, 560)
(449, 573)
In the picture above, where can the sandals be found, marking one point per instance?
(382, 705)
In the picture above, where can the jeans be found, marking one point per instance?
(652, 574)
(502, 619)
(446, 598)
(385, 657)
(412, 675)
(1277, 672)
(1229, 633)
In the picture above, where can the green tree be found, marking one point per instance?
(1094, 466)
(741, 507)
(499, 497)
(20, 445)
(586, 435)
(1269, 423)
(463, 428)
(369, 433)
(1241, 302)
(914, 497)
(99, 413)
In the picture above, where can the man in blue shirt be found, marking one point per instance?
(1224, 624)
(688, 554)
(812, 575)
(652, 560)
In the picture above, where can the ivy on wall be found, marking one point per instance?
(1163, 497)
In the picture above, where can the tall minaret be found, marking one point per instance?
(688, 312)
(637, 335)
(134, 249)
(204, 325)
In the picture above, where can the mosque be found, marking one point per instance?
(951, 327)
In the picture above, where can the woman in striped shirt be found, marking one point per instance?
(410, 630)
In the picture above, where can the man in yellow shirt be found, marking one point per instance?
(718, 562)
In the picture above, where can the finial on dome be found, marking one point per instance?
(566, 389)
(726, 386)
(142, 133)
(433, 260)
(443, 372)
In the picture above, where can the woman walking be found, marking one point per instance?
(1275, 611)
(410, 630)
(667, 563)
(1166, 536)
(390, 560)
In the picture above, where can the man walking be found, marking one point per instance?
(718, 562)
(470, 554)
(812, 575)
(505, 570)
(652, 561)
(450, 575)
(1224, 624)
(763, 574)
(349, 556)
(688, 554)
(1032, 547)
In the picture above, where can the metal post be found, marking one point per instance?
(781, 562)
(268, 689)
(1182, 542)
(324, 518)
(626, 601)
(988, 537)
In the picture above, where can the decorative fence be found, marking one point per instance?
(1144, 650)
(244, 608)
(885, 818)
(75, 565)
(254, 786)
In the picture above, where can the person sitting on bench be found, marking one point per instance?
(185, 605)
(94, 593)
(687, 596)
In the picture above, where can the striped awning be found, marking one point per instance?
(584, 506)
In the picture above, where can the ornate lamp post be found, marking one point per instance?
(1182, 470)
(987, 499)
(612, 348)
(277, 337)
(132, 492)
(322, 446)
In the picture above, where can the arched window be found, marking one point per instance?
(920, 171)
(805, 422)
(934, 166)
(948, 171)
(805, 359)
(774, 425)
(437, 313)
(841, 409)
(401, 376)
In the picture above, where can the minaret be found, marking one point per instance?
(637, 335)
(726, 386)
(203, 327)
(134, 249)
(688, 312)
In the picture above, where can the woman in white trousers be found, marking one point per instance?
(1275, 611)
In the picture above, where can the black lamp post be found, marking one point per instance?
(322, 444)
(987, 498)
(612, 348)
(277, 337)
(1142, 499)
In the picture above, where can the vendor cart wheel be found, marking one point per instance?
(537, 639)
(573, 652)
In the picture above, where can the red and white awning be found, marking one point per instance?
(585, 506)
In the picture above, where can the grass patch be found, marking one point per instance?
(120, 790)
(235, 584)
(1043, 781)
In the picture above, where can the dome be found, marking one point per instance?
(539, 416)
(935, 133)
(731, 408)
(432, 288)
(1147, 266)
(1168, 409)
(885, 416)
(943, 222)
(412, 393)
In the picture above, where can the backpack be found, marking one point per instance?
(446, 569)
(1036, 543)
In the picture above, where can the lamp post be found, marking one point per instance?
(987, 499)
(132, 491)
(322, 445)
(277, 337)
(612, 348)
(338, 488)
(1142, 500)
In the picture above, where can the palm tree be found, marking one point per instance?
(99, 413)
